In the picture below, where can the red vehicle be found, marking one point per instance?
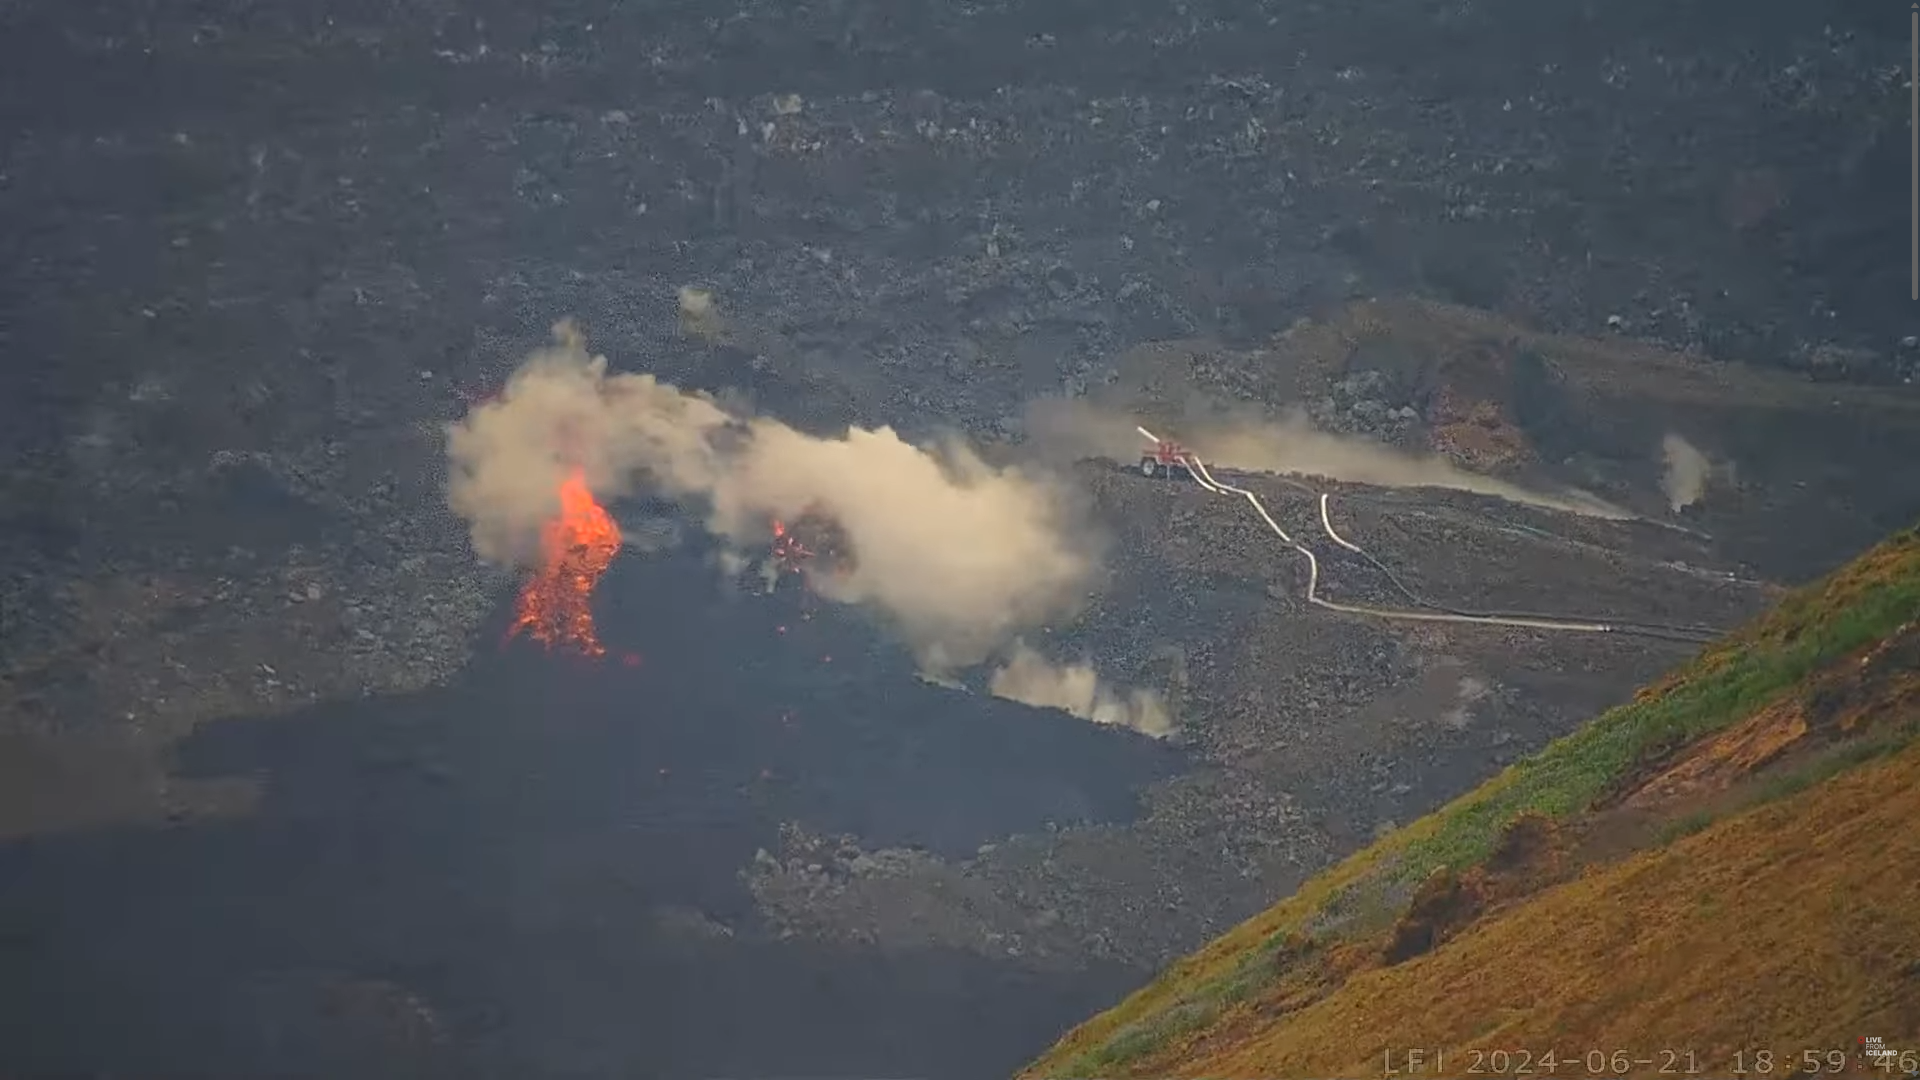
(1165, 459)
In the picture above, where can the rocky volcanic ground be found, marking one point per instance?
(257, 256)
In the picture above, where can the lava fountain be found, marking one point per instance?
(555, 607)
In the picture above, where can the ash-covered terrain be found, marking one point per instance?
(276, 798)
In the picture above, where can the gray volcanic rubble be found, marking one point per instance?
(1302, 718)
(259, 256)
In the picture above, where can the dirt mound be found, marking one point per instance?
(1606, 869)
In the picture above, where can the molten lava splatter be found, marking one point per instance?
(555, 607)
(790, 553)
(807, 548)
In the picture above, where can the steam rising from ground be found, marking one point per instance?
(1688, 471)
(960, 556)
(1032, 679)
(1236, 439)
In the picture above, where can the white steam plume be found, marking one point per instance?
(1076, 689)
(1288, 444)
(959, 555)
(1687, 473)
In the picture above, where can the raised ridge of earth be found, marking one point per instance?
(1698, 879)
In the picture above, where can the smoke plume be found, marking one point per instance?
(960, 556)
(1238, 439)
(1688, 471)
(1076, 689)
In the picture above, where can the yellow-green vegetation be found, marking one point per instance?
(1710, 865)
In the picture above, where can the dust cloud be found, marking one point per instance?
(1237, 438)
(1687, 473)
(958, 555)
(1076, 689)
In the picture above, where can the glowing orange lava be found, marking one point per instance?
(555, 607)
(789, 552)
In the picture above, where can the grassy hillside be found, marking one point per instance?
(1724, 863)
